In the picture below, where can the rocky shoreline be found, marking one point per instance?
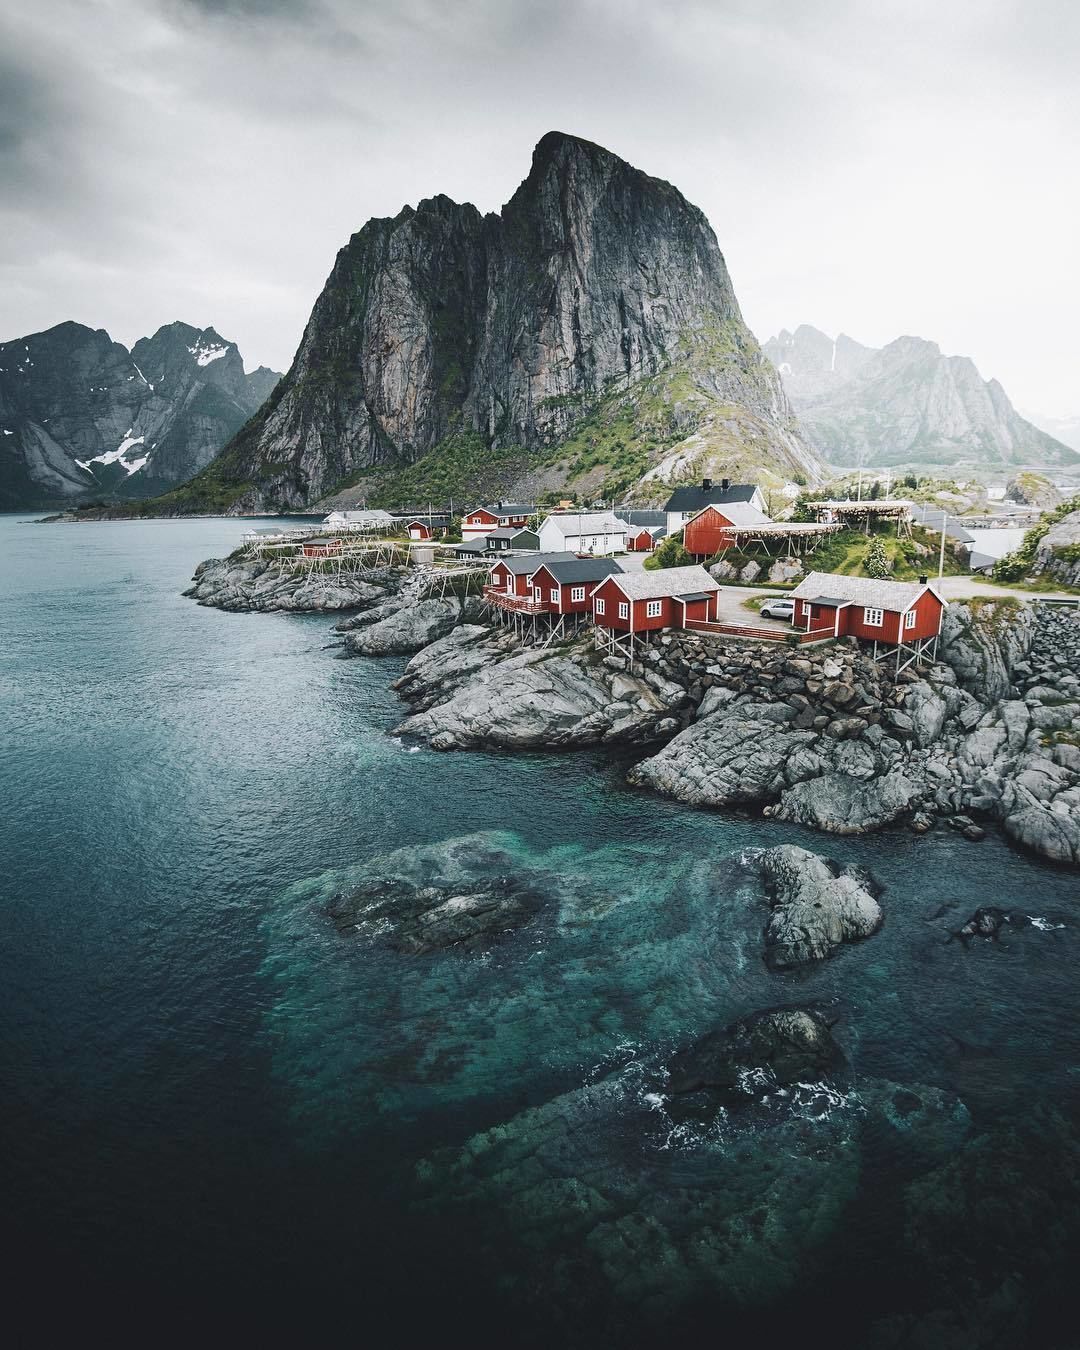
(816, 736)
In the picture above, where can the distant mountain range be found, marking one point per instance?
(585, 336)
(1065, 429)
(905, 406)
(82, 418)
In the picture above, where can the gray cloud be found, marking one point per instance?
(868, 168)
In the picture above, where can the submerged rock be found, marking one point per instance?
(755, 1054)
(815, 906)
(420, 919)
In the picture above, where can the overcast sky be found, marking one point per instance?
(869, 167)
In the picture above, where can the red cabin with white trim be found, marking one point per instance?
(643, 602)
(501, 516)
(889, 612)
(420, 529)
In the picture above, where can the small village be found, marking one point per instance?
(630, 575)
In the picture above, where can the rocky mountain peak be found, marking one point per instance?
(515, 329)
(81, 416)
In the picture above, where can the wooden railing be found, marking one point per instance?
(748, 630)
(517, 604)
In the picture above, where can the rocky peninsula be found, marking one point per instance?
(819, 736)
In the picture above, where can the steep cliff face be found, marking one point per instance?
(905, 405)
(581, 300)
(81, 416)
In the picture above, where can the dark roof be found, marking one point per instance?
(643, 519)
(696, 595)
(533, 562)
(696, 498)
(829, 600)
(471, 546)
(506, 509)
(569, 570)
(502, 534)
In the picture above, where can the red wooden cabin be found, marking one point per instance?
(709, 532)
(420, 529)
(565, 586)
(500, 516)
(642, 602)
(510, 581)
(889, 612)
(321, 548)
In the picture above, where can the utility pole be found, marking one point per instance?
(941, 559)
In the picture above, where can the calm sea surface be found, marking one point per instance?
(215, 1105)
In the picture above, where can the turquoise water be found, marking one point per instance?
(210, 1097)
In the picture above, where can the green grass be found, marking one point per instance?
(462, 468)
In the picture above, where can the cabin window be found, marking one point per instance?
(554, 594)
(538, 594)
(909, 619)
(624, 609)
(599, 606)
(653, 609)
(873, 618)
(577, 593)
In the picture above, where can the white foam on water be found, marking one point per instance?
(1043, 925)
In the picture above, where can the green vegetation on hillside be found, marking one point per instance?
(1017, 565)
(461, 467)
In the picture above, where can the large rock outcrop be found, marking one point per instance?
(81, 416)
(905, 404)
(475, 690)
(597, 289)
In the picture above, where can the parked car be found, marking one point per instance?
(779, 608)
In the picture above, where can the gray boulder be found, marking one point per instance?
(841, 804)
(815, 906)
(410, 627)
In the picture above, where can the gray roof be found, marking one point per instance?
(506, 509)
(504, 533)
(694, 498)
(569, 570)
(680, 581)
(896, 596)
(587, 522)
(643, 519)
(525, 566)
(932, 516)
(471, 546)
(833, 600)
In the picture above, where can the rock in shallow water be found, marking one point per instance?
(755, 1054)
(815, 906)
(420, 919)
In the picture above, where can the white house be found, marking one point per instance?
(360, 520)
(685, 502)
(596, 532)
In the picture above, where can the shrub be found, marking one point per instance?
(877, 560)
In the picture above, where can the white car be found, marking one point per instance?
(779, 608)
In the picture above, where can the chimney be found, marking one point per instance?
(706, 484)
(725, 483)
(924, 581)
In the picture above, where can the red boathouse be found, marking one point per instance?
(710, 531)
(901, 616)
(633, 605)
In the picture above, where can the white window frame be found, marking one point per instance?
(598, 605)
(873, 617)
(538, 594)
(577, 593)
(910, 619)
(624, 609)
(553, 593)
(654, 608)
